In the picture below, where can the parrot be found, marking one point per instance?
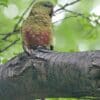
(37, 28)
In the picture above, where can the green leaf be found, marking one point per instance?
(4, 2)
(17, 17)
(54, 2)
(4, 60)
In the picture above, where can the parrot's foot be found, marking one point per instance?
(43, 49)
(51, 47)
(29, 51)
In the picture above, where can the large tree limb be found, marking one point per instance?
(50, 74)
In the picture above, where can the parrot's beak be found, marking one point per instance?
(51, 13)
(48, 4)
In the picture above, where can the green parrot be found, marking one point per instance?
(37, 28)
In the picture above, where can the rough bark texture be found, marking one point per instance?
(50, 74)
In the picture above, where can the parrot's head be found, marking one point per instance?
(43, 7)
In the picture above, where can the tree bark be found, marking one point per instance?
(50, 74)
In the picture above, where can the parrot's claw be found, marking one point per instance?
(43, 49)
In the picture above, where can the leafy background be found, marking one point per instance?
(75, 28)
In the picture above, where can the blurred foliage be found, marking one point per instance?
(79, 30)
(3, 2)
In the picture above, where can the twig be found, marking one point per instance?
(2, 34)
(75, 15)
(65, 18)
(23, 15)
(67, 4)
(10, 33)
(13, 43)
(19, 21)
(78, 14)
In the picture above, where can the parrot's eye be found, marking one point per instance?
(47, 4)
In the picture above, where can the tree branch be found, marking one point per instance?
(67, 4)
(9, 34)
(51, 74)
(13, 43)
(78, 14)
